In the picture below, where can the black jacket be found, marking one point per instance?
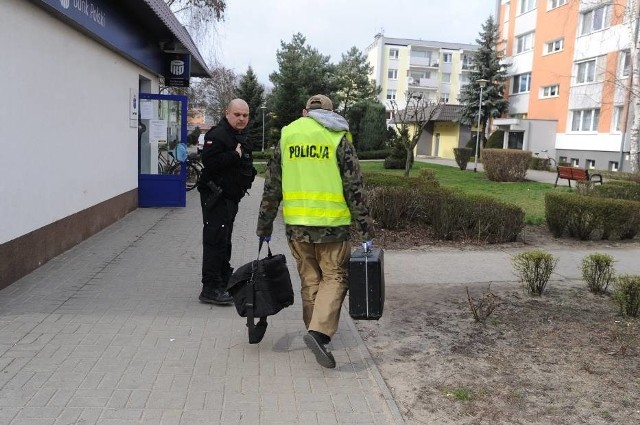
(222, 164)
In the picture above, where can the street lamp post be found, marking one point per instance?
(263, 108)
(482, 83)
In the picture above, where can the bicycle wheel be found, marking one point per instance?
(192, 175)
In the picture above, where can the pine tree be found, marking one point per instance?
(487, 67)
(373, 128)
(302, 72)
(353, 82)
(253, 93)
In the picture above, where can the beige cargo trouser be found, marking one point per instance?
(323, 275)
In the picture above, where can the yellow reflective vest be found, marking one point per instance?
(312, 192)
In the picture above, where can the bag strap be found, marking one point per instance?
(256, 330)
(260, 249)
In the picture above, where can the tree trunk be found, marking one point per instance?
(409, 164)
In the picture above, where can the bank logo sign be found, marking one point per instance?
(178, 69)
(65, 3)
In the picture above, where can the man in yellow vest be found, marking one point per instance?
(315, 173)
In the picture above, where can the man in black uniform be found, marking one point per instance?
(227, 175)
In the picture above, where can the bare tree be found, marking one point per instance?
(199, 18)
(410, 120)
(214, 94)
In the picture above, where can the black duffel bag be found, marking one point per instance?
(261, 288)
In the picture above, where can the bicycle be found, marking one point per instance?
(549, 163)
(168, 164)
(192, 170)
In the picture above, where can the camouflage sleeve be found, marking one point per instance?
(354, 189)
(271, 195)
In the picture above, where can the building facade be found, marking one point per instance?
(435, 70)
(569, 63)
(69, 125)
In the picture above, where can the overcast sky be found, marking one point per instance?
(253, 29)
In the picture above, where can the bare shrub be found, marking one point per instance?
(598, 272)
(393, 207)
(483, 306)
(534, 268)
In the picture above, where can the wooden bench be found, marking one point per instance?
(576, 174)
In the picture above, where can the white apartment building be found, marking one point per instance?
(436, 70)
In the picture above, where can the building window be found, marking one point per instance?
(524, 42)
(419, 53)
(527, 5)
(586, 72)
(393, 53)
(575, 162)
(562, 160)
(391, 95)
(521, 83)
(392, 74)
(550, 91)
(467, 62)
(554, 46)
(447, 57)
(446, 77)
(617, 119)
(585, 120)
(591, 164)
(613, 165)
(556, 3)
(625, 63)
(596, 19)
(444, 98)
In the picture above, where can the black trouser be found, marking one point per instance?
(216, 242)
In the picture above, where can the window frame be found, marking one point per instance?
(392, 94)
(392, 74)
(519, 78)
(554, 4)
(587, 25)
(589, 71)
(446, 55)
(554, 91)
(525, 6)
(521, 42)
(549, 46)
(391, 53)
(586, 116)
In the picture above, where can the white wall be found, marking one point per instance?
(65, 134)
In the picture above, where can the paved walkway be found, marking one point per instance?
(111, 332)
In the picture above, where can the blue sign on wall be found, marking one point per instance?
(108, 23)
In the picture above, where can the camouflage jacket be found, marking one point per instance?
(353, 193)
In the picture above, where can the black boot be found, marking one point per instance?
(215, 296)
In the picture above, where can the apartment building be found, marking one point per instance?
(569, 63)
(436, 70)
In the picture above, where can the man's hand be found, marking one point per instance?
(239, 150)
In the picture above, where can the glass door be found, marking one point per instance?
(162, 149)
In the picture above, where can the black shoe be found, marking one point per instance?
(216, 296)
(323, 356)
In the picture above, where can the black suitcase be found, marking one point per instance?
(366, 284)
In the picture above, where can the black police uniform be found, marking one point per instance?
(225, 179)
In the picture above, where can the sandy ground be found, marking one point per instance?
(564, 358)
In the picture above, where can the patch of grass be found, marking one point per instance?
(460, 394)
(528, 195)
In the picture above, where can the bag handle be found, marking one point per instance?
(260, 249)
(256, 330)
